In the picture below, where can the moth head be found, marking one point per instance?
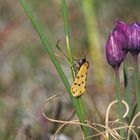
(82, 61)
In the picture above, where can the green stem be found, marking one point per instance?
(82, 119)
(79, 102)
(127, 88)
(119, 98)
(46, 44)
(67, 34)
(94, 42)
(136, 80)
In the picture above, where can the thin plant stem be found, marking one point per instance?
(127, 88)
(47, 46)
(93, 39)
(82, 117)
(136, 80)
(80, 105)
(119, 98)
(67, 35)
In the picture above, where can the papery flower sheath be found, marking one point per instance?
(133, 39)
(120, 25)
(115, 42)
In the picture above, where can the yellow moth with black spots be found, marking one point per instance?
(79, 85)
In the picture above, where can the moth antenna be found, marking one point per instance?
(84, 54)
(75, 59)
(57, 45)
(63, 58)
(73, 67)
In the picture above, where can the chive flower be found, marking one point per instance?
(133, 39)
(120, 25)
(115, 42)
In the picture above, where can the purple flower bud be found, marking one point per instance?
(116, 40)
(121, 26)
(133, 39)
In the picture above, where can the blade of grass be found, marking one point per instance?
(80, 105)
(94, 41)
(46, 44)
(67, 34)
(55, 62)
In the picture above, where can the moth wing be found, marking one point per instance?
(79, 85)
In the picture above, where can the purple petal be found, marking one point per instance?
(133, 38)
(116, 40)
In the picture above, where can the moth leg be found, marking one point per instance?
(75, 68)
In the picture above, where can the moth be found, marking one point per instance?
(79, 85)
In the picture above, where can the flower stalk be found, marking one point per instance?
(136, 80)
(127, 88)
(119, 94)
(119, 98)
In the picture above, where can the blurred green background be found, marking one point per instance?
(27, 75)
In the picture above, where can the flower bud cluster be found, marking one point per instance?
(123, 38)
